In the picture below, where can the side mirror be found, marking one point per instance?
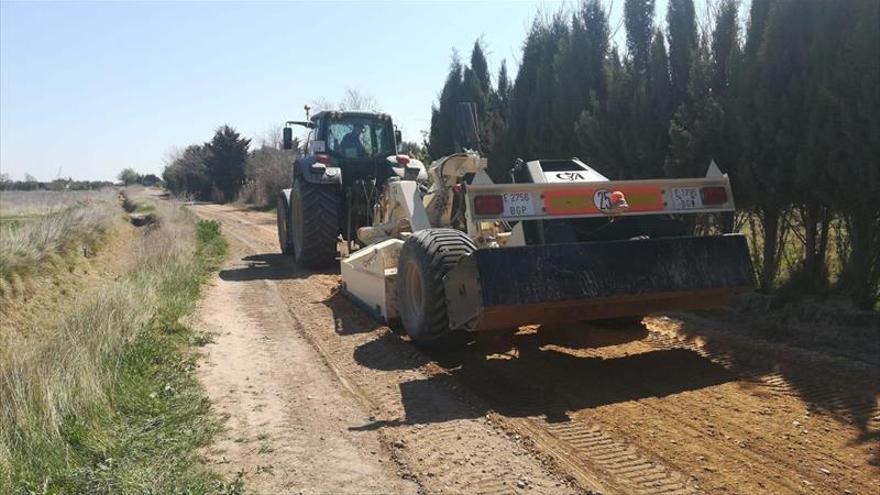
(287, 140)
(397, 136)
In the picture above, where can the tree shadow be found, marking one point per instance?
(826, 383)
(268, 266)
(559, 382)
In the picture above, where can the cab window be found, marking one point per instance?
(360, 137)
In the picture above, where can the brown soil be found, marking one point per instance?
(679, 404)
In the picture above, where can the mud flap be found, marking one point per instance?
(558, 283)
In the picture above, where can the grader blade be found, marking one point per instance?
(558, 283)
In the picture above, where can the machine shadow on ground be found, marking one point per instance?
(533, 374)
(267, 266)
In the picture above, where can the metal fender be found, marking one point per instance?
(316, 173)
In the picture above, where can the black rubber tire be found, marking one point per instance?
(425, 258)
(282, 216)
(314, 233)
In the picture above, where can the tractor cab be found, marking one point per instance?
(363, 144)
(357, 136)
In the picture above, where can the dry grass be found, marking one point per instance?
(40, 232)
(62, 384)
(39, 203)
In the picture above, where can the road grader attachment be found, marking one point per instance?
(568, 245)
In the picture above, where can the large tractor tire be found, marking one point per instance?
(282, 216)
(425, 258)
(314, 226)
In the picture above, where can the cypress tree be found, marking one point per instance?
(659, 93)
(853, 168)
(639, 22)
(725, 46)
(480, 67)
(441, 138)
(606, 130)
(502, 93)
(524, 89)
(682, 23)
(542, 127)
(596, 35)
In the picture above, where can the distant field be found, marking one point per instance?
(38, 203)
(41, 230)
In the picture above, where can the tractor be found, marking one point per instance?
(347, 158)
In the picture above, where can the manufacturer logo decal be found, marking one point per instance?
(570, 176)
(602, 199)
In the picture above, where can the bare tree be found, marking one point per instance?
(273, 137)
(322, 104)
(354, 99)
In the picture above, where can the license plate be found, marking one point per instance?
(686, 198)
(518, 204)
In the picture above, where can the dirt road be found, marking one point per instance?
(321, 399)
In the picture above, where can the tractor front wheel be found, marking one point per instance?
(425, 258)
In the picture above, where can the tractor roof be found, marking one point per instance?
(345, 113)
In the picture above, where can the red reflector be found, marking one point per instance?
(714, 195)
(402, 159)
(488, 205)
(325, 159)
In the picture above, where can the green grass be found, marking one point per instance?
(121, 412)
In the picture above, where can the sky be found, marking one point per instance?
(90, 88)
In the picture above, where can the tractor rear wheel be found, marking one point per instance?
(282, 216)
(425, 258)
(314, 232)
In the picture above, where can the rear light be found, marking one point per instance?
(402, 159)
(491, 204)
(715, 195)
(325, 159)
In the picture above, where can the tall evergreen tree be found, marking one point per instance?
(660, 102)
(524, 89)
(606, 131)
(503, 91)
(725, 46)
(682, 23)
(480, 67)
(498, 148)
(695, 129)
(638, 18)
(441, 138)
(752, 171)
(596, 35)
(579, 69)
(780, 96)
(542, 126)
(852, 163)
